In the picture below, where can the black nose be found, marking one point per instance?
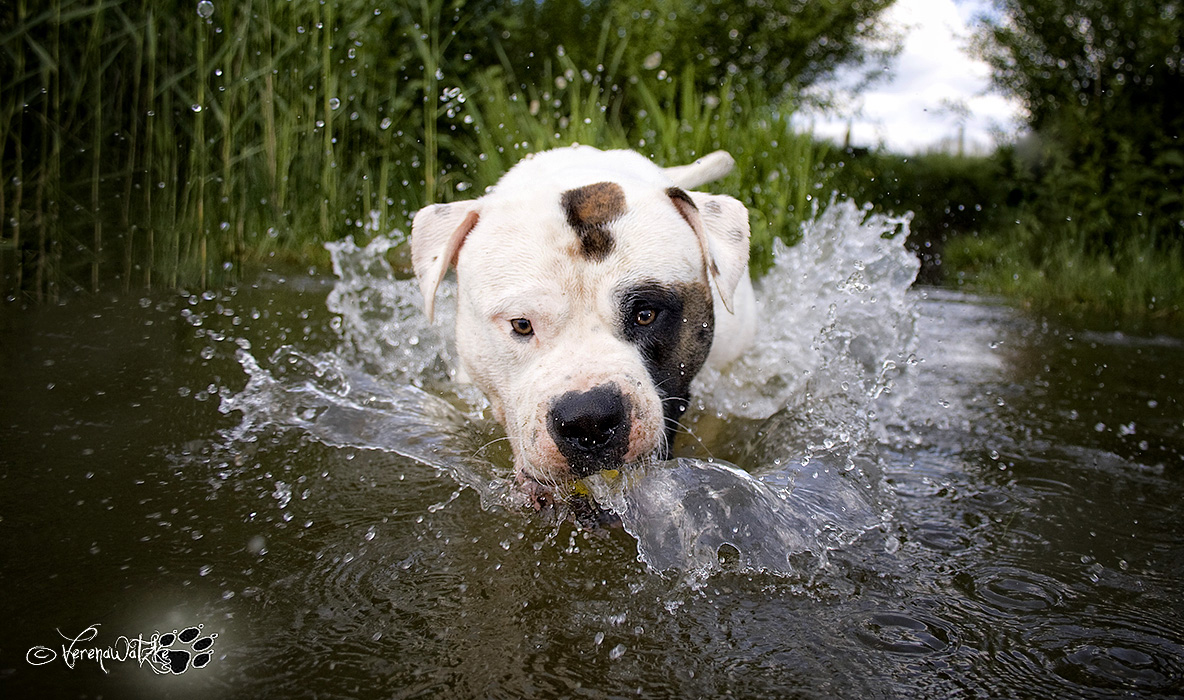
(591, 428)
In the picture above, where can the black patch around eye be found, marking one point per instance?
(675, 343)
(665, 305)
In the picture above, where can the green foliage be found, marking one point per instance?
(1095, 216)
(1103, 83)
(162, 144)
(1136, 285)
(224, 137)
(777, 46)
(948, 194)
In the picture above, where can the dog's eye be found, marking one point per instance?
(645, 317)
(522, 326)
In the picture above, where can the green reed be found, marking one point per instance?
(185, 146)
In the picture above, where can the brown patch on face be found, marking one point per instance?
(694, 342)
(590, 209)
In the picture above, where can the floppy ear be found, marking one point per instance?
(721, 224)
(436, 236)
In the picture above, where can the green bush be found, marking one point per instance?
(949, 195)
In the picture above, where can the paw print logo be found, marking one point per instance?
(181, 651)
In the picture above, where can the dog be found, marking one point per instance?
(592, 286)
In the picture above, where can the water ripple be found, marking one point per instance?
(1008, 591)
(907, 633)
(1116, 655)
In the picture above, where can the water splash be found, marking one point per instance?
(380, 321)
(838, 334)
(683, 513)
(835, 317)
(339, 405)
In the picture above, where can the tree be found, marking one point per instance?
(784, 45)
(1103, 84)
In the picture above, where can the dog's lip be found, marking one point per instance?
(540, 495)
(523, 476)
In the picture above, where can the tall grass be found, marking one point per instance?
(1138, 284)
(185, 145)
(780, 173)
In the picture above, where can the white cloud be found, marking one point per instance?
(911, 110)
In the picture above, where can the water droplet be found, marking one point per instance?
(617, 652)
(334, 103)
(257, 545)
(195, 107)
(385, 124)
(205, 9)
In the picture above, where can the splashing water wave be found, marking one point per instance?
(838, 334)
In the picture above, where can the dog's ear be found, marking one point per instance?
(436, 237)
(711, 167)
(721, 224)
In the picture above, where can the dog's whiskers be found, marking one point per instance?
(477, 452)
(681, 427)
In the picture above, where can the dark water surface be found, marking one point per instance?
(1024, 537)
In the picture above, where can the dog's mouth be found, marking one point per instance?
(570, 499)
(540, 495)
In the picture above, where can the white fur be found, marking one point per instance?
(516, 257)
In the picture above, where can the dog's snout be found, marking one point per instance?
(591, 428)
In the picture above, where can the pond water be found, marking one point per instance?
(900, 492)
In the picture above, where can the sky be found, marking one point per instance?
(909, 112)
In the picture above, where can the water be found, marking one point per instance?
(902, 493)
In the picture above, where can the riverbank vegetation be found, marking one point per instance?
(1095, 220)
(154, 143)
(146, 143)
(1085, 214)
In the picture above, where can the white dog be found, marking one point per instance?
(591, 288)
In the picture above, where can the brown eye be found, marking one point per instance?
(645, 317)
(522, 326)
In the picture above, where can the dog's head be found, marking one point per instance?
(585, 301)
